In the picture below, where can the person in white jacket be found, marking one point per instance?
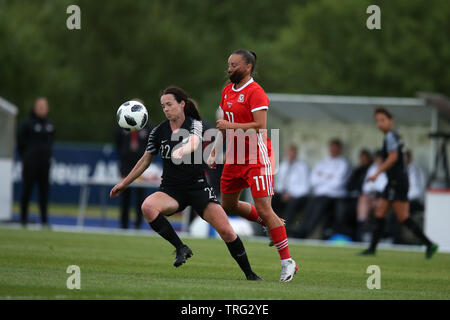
(328, 180)
(291, 187)
(371, 191)
(417, 184)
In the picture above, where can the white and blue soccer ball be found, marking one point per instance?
(132, 115)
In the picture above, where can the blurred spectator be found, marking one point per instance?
(130, 148)
(354, 188)
(291, 188)
(328, 180)
(35, 141)
(417, 185)
(356, 180)
(371, 191)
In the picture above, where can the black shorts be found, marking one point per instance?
(197, 195)
(396, 190)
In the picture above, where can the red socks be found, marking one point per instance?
(253, 216)
(277, 234)
(280, 240)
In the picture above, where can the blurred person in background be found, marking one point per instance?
(354, 188)
(35, 142)
(356, 180)
(395, 193)
(130, 147)
(291, 188)
(370, 193)
(327, 180)
(417, 185)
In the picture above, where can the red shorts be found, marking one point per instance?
(259, 178)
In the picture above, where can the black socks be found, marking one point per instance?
(162, 226)
(237, 251)
(379, 226)
(360, 225)
(411, 225)
(165, 230)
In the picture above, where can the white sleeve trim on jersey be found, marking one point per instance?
(391, 142)
(197, 128)
(150, 145)
(260, 108)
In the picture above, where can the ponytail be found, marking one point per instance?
(190, 107)
(191, 110)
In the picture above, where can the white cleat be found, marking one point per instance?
(288, 269)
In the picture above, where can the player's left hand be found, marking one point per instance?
(117, 190)
(373, 177)
(223, 124)
(211, 162)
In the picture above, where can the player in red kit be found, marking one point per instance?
(249, 160)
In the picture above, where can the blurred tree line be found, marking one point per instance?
(133, 48)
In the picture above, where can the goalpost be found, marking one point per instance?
(8, 113)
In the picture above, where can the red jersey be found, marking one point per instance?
(238, 106)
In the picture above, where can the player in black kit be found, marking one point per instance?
(178, 139)
(396, 190)
(35, 142)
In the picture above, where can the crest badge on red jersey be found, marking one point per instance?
(241, 98)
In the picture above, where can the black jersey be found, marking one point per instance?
(398, 172)
(178, 172)
(35, 139)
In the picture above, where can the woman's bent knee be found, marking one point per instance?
(227, 234)
(149, 211)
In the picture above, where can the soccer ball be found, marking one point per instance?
(132, 115)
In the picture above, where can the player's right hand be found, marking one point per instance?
(117, 190)
(211, 162)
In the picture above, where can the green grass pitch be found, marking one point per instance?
(33, 265)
